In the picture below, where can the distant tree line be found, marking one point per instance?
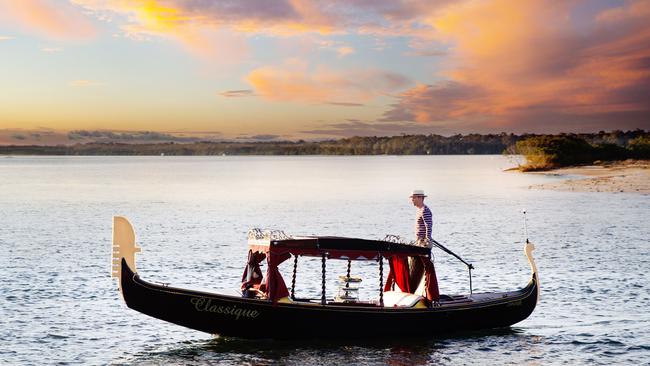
(395, 145)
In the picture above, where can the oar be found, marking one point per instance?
(469, 265)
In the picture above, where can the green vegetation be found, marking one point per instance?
(640, 147)
(554, 151)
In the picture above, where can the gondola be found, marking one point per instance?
(268, 309)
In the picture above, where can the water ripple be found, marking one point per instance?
(60, 306)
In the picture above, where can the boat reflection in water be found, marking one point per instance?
(268, 309)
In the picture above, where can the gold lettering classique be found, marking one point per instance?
(203, 304)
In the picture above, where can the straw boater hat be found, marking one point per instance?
(417, 192)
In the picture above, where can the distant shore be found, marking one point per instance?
(393, 145)
(541, 151)
(629, 176)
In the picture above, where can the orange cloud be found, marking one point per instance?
(193, 23)
(197, 33)
(296, 83)
(525, 64)
(275, 18)
(50, 19)
(344, 51)
(218, 30)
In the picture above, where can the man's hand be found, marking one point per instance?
(426, 243)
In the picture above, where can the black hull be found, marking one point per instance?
(254, 318)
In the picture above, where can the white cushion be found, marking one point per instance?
(398, 298)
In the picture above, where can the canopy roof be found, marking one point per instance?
(336, 247)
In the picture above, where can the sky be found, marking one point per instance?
(74, 70)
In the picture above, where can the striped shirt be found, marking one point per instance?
(423, 223)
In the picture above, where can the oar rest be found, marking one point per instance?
(403, 299)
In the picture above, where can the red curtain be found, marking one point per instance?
(398, 273)
(430, 280)
(275, 286)
(252, 268)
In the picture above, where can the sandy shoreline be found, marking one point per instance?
(624, 177)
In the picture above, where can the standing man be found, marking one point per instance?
(419, 266)
(423, 219)
(420, 269)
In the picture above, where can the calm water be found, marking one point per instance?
(191, 215)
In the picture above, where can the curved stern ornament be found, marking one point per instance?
(528, 249)
(123, 246)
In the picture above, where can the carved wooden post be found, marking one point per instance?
(123, 246)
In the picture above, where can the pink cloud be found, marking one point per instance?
(523, 65)
(53, 20)
(295, 82)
